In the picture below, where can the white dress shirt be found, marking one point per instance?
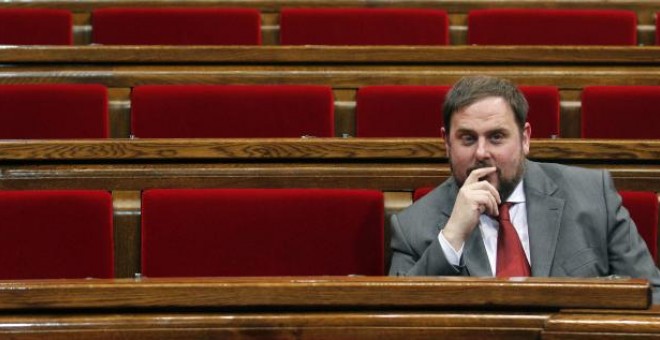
(489, 227)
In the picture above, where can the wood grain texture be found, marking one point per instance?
(452, 6)
(326, 292)
(307, 148)
(471, 55)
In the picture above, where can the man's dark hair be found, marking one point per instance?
(469, 90)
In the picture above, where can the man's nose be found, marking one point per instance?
(482, 149)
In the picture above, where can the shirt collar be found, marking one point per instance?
(518, 194)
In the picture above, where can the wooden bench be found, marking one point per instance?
(311, 307)
(394, 166)
(344, 68)
(457, 11)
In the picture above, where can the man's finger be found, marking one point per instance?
(476, 174)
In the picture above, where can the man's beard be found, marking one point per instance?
(506, 185)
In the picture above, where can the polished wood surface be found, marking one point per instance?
(604, 324)
(306, 307)
(326, 292)
(404, 149)
(427, 55)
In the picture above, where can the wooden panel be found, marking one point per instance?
(452, 6)
(310, 325)
(610, 324)
(326, 292)
(428, 55)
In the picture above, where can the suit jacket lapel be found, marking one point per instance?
(475, 257)
(543, 218)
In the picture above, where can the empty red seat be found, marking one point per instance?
(643, 208)
(399, 111)
(261, 232)
(363, 26)
(416, 111)
(544, 110)
(56, 234)
(227, 111)
(176, 26)
(47, 111)
(536, 26)
(35, 26)
(627, 112)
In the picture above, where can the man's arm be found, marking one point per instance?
(407, 262)
(627, 250)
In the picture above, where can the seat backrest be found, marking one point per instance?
(47, 111)
(416, 111)
(227, 111)
(35, 26)
(56, 234)
(363, 26)
(261, 232)
(628, 112)
(399, 111)
(643, 208)
(536, 26)
(176, 26)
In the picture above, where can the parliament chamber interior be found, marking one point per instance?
(228, 168)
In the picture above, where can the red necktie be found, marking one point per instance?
(511, 259)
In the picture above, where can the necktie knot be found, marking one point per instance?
(504, 211)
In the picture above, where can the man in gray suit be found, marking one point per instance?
(568, 221)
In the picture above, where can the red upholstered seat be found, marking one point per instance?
(628, 112)
(538, 26)
(399, 111)
(416, 111)
(363, 26)
(544, 108)
(35, 26)
(47, 111)
(214, 111)
(56, 234)
(176, 26)
(643, 208)
(261, 232)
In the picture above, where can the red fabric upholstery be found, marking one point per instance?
(35, 26)
(643, 208)
(543, 114)
(47, 111)
(552, 27)
(185, 111)
(628, 112)
(261, 232)
(400, 111)
(363, 26)
(176, 26)
(56, 234)
(416, 111)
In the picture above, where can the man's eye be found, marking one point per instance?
(467, 139)
(498, 137)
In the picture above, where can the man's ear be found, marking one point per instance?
(526, 136)
(445, 138)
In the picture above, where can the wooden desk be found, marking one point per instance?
(307, 307)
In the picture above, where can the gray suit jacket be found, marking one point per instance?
(577, 228)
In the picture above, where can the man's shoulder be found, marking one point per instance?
(569, 172)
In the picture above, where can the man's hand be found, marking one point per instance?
(474, 198)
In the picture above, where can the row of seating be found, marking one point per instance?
(322, 26)
(44, 111)
(214, 232)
